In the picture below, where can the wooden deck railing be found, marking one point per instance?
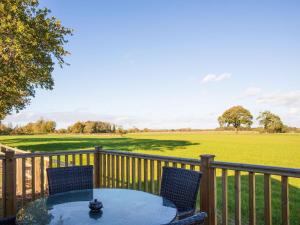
(117, 169)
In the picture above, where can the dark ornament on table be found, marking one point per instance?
(95, 206)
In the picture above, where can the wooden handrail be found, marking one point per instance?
(55, 153)
(194, 162)
(16, 150)
(272, 170)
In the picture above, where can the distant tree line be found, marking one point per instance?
(39, 127)
(48, 126)
(236, 118)
(239, 118)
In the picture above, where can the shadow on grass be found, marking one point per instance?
(71, 143)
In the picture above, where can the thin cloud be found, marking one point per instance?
(294, 111)
(290, 101)
(66, 118)
(252, 91)
(215, 77)
(291, 98)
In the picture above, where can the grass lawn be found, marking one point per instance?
(266, 149)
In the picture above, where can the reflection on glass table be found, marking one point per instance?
(120, 207)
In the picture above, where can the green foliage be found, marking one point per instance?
(92, 127)
(120, 130)
(271, 122)
(30, 43)
(62, 131)
(5, 130)
(237, 117)
(78, 127)
(39, 127)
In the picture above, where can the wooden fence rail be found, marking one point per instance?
(24, 179)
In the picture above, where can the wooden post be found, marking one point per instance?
(208, 189)
(97, 166)
(9, 190)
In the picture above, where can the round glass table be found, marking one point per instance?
(120, 207)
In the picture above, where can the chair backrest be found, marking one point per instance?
(8, 221)
(181, 187)
(69, 178)
(197, 219)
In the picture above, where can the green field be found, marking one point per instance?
(266, 149)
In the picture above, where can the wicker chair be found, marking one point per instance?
(181, 187)
(69, 179)
(197, 219)
(8, 221)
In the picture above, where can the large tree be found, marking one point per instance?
(236, 117)
(30, 43)
(270, 122)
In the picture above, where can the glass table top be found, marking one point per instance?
(120, 207)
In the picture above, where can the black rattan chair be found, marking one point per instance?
(8, 221)
(181, 187)
(197, 219)
(69, 179)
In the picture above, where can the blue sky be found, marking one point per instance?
(172, 64)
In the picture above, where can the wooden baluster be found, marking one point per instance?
(58, 161)
(66, 160)
(23, 179)
(101, 182)
(285, 200)
(42, 176)
(37, 175)
(252, 201)
(113, 172)
(122, 172)
(108, 170)
(33, 178)
(146, 175)
(183, 166)
(167, 163)
(267, 199)
(118, 171)
(224, 198)
(213, 195)
(193, 167)
(50, 161)
(237, 187)
(80, 160)
(88, 159)
(152, 175)
(139, 173)
(127, 172)
(175, 164)
(158, 176)
(74, 159)
(133, 172)
(19, 176)
(104, 171)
